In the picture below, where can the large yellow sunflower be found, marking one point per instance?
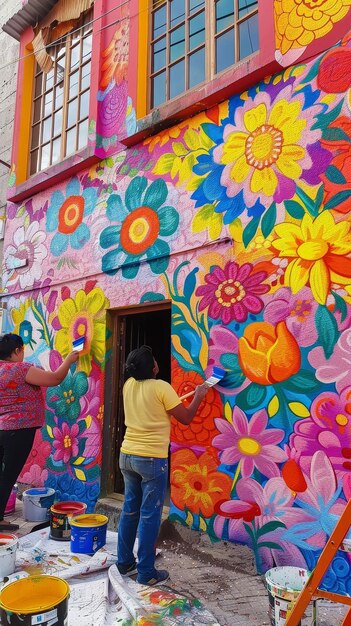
(318, 250)
(83, 316)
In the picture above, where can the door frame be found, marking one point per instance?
(114, 345)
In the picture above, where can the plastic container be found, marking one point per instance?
(37, 503)
(284, 585)
(88, 533)
(8, 548)
(35, 600)
(61, 514)
(11, 503)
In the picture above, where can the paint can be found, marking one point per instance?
(37, 503)
(11, 503)
(35, 600)
(8, 548)
(88, 533)
(60, 517)
(284, 585)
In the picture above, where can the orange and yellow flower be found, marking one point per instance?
(115, 57)
(202, 429)
(268, 354)
(299, 22)
(196, 483)
(317, 249)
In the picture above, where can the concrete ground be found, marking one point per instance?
(222, 575)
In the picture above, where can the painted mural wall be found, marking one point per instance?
(241, 217)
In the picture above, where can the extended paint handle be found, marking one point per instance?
(187, 395)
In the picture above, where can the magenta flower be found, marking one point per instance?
(328, 429)
(249, 443)
(273, 502)
(232, 292)
(297, 310)
(65, 442)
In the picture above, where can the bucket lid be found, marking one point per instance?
(88, 520)
(17, 597)
(6, 538)
(39, 491)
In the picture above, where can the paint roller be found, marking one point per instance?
(217, 374)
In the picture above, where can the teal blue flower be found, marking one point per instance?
(143, 223)
(65, 398)
(66, 213)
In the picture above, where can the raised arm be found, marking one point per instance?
(185, 414)
(44, 378)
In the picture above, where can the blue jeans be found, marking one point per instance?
(145, 482)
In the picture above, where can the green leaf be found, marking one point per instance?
(269, 527)
(302, 382)
(151, 296)
(335, 134)
(250, 532)
(250, 231)
(294, 209)
(307, 202)
(319, 198)
(269, 544)
(251, 397)
(327, 328)
(269, 220)
(333, 174)
(174, 517)
(234, 376)
(324, 120)
(340, 305)
(338, 199)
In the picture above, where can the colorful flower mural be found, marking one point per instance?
(241, 218)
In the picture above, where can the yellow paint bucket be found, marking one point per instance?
(88, 533)
(35, 600)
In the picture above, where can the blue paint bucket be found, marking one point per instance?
(88, 533)
(37, 503)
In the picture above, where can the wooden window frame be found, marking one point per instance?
(209, 45)
(65, 51)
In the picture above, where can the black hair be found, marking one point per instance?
(140, 363)
(8, 344)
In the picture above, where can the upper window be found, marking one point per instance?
(193, 40)
(60, 114)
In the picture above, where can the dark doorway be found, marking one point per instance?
(131, 328)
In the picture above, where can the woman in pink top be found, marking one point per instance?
(22, 410)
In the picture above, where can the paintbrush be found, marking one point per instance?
(217, 375)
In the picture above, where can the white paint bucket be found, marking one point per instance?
(8, 547)
(37, 503)
(284, 585)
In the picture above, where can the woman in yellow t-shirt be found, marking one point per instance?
(148, 406)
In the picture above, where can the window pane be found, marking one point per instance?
(159, 54)
(197, 30)
(34, 163)
(224, 14)
(176, 79)
(246, 6)
(159, 22)
(48, 103)
(72, 112)
(58, 122)
(75, 57)
(56, 150)
(71, 138)
(58, 96)
(38, 85)
(197, 72)
(49, 81)
(248, 36)
(83, 134)
(47, 129)
(158, 89)
(195, 5)
(36, 110)
(84, 105)
(177, 12)
(45, 156)
(177, 43)
(35, 135)
(225, 54)
(60, 70)
(73, 84)
(85, 80)
(87, 48)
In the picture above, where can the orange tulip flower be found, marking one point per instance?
(268, 354)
